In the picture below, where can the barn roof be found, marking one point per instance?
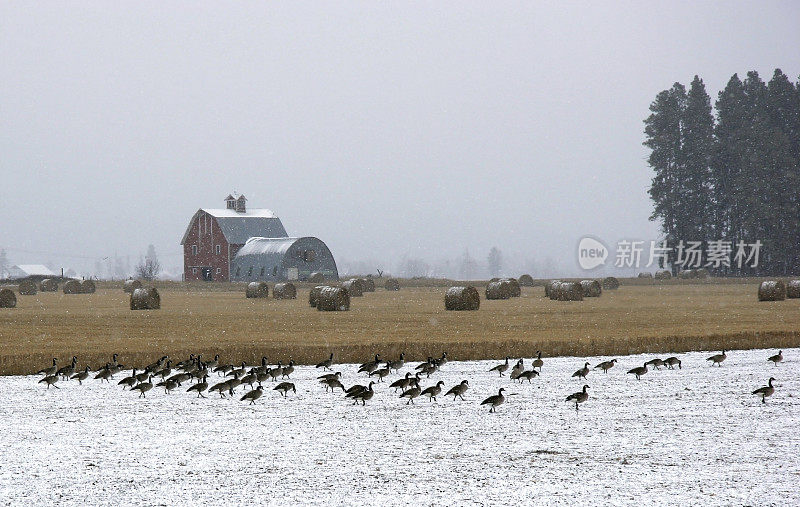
(23, 270)
(238, 227)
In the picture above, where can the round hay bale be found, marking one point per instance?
(548, 288)
(28, 287)
(772, 290)
(313, 295)
(663, 275)
(368, 284)
(567, 291)
(48, 285)
(257, 290)
(645, 274)
(610, 283)
(88, 287)
(701, 273)
(526, 281)
(462, 298)
(686, 274)
(591, 288)
(500, 289)
(516, 290)
(72, 287)
(284, 290)
(793, 289)
(7, 298)
(145, 298)
(131, 285)
(316, 277)
(333, 299)
(354, 287)
(392, 284)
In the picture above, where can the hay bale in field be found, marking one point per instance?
(284, 290)
(567, 291)
(610, 283)
(772, 290)
(48, 285)
(500, 289)
(591, 288)
(686, 274)
(526, 280)
(131, 285)
(516, 290)
(462, 298)
(145, 298)
(257, 290)
(663, 275)
(72, 287)
(368, 284)
(701, 273)
(316, 277)
(645, 274)
(548, 287)
(7, 298)
(28, 287)
(392, 284)
(793, 289)
(88, 287)
(313, 295)
(333, 299)
(355, 287)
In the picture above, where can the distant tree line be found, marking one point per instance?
(729, 176)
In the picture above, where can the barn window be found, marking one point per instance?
(194, 249)
(219, 249)
(237, 270)
(194, 271)
(262, 270)
(250, 271)
(275, 271)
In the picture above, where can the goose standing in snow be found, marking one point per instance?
(285, 387)
(50, 370)
(655, 363)
(326, 364)
(718, 358)
(579, 397)
(433, 391)
(81, 376)
(777, 358)
(128, 381)
(639, 371)
(538, 363)
(671, 362)
(765, 391)
(143, 387)
(582, 372)
(200, 387)
(50, 380)
(253, 395)
(68, 371)
(502, 367)
(364, 395)
(458, 390)
(606, 365)
(411, 393)
(495, 401)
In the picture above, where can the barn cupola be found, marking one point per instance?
(230, 202)
(240, 204)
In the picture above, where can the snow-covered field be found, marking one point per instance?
(680, 437)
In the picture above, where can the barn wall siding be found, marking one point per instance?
(206, 234)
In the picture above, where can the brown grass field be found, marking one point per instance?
(658, 318)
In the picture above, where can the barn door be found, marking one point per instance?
(207, 274)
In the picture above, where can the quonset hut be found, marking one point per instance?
(281, 259)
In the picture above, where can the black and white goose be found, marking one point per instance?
(104, 373)
(582, 372)
(579, 397)
(143, 387)
(527, 375)
(168, 385)
(502, 367)
(458, 390)
(606, 365)
(517, 370)
(81, 376)
(253, 395)
(69, 370)
(50, 370)
(129, 381)
(433, 391)
(381, 373)
(765, 391)
(495, 401)
(370, 366)
(538, 363)
(401, 383)
(411, 393)
(285, 387)
(364, 395)
(288, 369)
(200, 387)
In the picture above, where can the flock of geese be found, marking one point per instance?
(193, 370)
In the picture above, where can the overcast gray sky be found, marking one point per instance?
(387, 129)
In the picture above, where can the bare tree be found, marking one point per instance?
(149, 268)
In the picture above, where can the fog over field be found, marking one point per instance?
(396, 132)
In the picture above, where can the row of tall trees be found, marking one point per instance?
(731, 173)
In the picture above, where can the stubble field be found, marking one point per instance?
(633, 319)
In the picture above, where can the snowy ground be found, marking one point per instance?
(684, 436)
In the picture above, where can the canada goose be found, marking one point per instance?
(777, 358)
(495, 401)
(369, 367)
(639, 371)
(579, 397)
(458, 390)
(424, 364)
(200, 387)
(104, 373)
(168, 385)
(250, 379)
(377, 360)
(717, 358)
(332, 383)
(81, 376)
(213, 363)
(67, 371)
(433, 391)
(179, 378)
(253, 395)
(381, 373)
(765, 391)
(221, 387)
(655, 363)
(401, 383)
(128, 381)
(285, 387)
(364, 395)
(185, 363)
(671, 362)
(165, 372)
(350, 391)
(500, 368)
(517, 370)
(288, 369)
(143, 387)
(50, 380)
(150, 368)
(50, 370)
(396, 365)
(233, 384)
(328, 376)
(223, 369)
(326, 364)
(264, 376)
(429, 369)
(538, 363)
(276, 372)
(411, 393)
(114, 360)
(582, 372)
(527, 375)
(238, 372)
(198, 374)
(442, 360)
(606, 365)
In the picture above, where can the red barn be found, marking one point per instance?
(214, 236)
